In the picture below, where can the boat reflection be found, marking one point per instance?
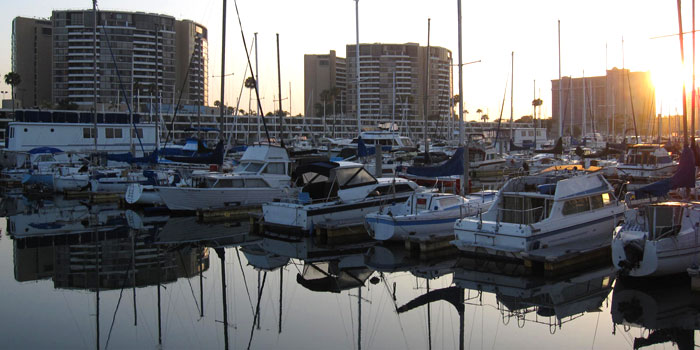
(667, 311)
(549, 301)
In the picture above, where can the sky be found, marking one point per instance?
(592, 35)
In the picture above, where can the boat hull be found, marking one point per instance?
(192, 199)
(665, 256)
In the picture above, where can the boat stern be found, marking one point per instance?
(286, 218)
(632, 254)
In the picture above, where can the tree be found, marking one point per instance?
(13, 79)
(250, 84)
(484, 117)
(217, 103)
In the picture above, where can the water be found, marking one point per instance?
(295, 294)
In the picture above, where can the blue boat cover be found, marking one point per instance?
(684, 177)
(39, 150)
(152, 158)
(453, 166)
(361, 148)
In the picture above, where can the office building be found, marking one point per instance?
(323, 73)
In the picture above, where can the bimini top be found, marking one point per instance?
(40, 150)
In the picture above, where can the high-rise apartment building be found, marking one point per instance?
(192, 63)
(32, 60)
(323, 73)
(610, 104)
(400, 70)
(142, 58)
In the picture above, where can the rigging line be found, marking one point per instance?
(634, 119)
(245, 282)
(121, 86)
(500, 117)
(595, 332)
(257, 310)
(82, 336)
(114, 315)
(234, 128)
(182, 261)
(257, 88)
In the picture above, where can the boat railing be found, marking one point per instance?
(520, 216)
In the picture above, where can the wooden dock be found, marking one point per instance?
(339, 232)
(425, 248)
(10, 183)
(564, 259)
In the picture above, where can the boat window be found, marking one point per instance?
(448, 202)
(597, 202)
(577, 205)
(522, 210)
(406, 142)
(88, 133)
(353, 177)
(274, 168)
(663, 160)
(12, 132)
(250, 167)
(664, 220)
(607, 198)
(138, 133)
(255, 183)
(229, 183)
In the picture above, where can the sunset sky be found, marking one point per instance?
(491, 31)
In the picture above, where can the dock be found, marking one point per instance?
(425, 248)
(561, 260)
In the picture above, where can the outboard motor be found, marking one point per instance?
(634, 252)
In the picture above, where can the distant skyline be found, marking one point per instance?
(491, 31)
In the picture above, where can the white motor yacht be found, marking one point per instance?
(262, 176)
(334, 192)
(565, 209)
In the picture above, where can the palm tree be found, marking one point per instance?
(325, 96)
(13, 79)
(333, 94)
(250, 84)
(484, 117)
(217, 103)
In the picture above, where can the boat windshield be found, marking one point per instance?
(250, 167)
(352, 177)
(664, 220)
(406, 142)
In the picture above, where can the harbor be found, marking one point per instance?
(413, 201)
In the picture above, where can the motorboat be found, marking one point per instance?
(658, 239)
(426, 214)
(569, 210)
(646, 163)
(334, 192)
(261, 176)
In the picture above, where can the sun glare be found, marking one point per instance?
(668, 82)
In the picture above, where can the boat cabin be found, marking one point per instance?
(664, 219)
(323, 180)
(647, 154)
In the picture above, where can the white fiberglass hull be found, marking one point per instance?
(428, 224)
(514, 240)
(192, 199)
(661, 257)
(302, 217)
(63, 183)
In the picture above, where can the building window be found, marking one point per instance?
(138, 133)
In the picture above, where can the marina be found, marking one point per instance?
(402, 208)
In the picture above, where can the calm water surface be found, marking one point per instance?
(79, 276)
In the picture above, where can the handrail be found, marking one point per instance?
(523, 212)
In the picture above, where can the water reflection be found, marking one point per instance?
(215, 285)
(535, 299)
(667, 310)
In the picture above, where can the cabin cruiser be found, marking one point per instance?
(426, 214)
(645, 163)
(658, 239)
(564, 209)
(334, 192)
(261, 176)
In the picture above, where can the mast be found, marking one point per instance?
(256, 87)
(534, 112)
(685, 108)
(692, 112)
(426, 145)
(94, 74)
(223, 72)
(222, 257)
(561, 125)
(279, 88)
(393, 100)
(465, 176)
(512, 65)
(357, 60)
(583, 117)
(359, 317)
